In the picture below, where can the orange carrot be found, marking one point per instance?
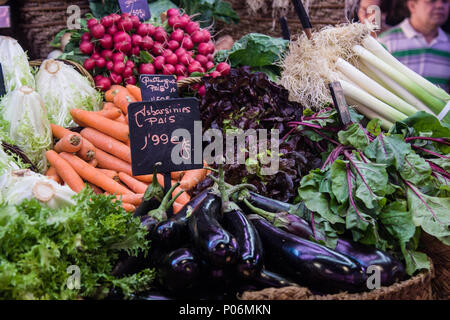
(177, 207)
(177, 175)
(59, 131)
(70, 142)
(183, 198)
(126, 118)
(192, 177)
(52, 174)
(108, 106)
(110, 113)
(93, 175)
(110, 173)
(107, 144)
(148, 178)
(122, 119)
(134, 91)
(122, 100)
(128, 207)
(132, 183)
(65, 170)
(107, 161)
(110, 127)
(93, 163)
(134, 199)
(111, 93)
(87, 151)
(94, 188)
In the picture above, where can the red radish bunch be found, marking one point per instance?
(115, 44)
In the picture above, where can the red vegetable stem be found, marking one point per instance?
(439, 140)
(436, 168)
(430, 152)
(348, 156)
(349, 182)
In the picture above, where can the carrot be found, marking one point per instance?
(110, 127)
(122, 100)
(192, 177)
(70, 142)
(108, 106)
(177, 207)
(132, 183)
(128, 207)
(177, 175)
(93, 175)
(94, 188)
(134, 91)
(126, 118)
(107, 144)
(93, 163)
(110, 113)
(134, 199)
(183, 198)
(122, 119)
(113, 91)
(59, 131)
(52, 174)
(110, 173)
(148, 178)
(107, 161)
(65, 170)
(87, 151)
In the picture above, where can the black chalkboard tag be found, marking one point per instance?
(156, 87)
(138, 8)
(2, 82)
(340, 103)
(285, 28)
(152, 137)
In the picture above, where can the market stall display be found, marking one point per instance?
(347, 197)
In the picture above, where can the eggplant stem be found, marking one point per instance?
(275, 218)
(170, 203)
(211, 169)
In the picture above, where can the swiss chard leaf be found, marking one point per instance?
(390, 150)
(354, 136)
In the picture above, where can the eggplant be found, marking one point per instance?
(307, 262)
(250, 258)
(213, 242)
(179, 270)
(152, 295)
(270, 279)
(174, 232)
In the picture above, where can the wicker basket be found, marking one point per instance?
(440, 254)
(321, 13)
(41, 20)
(415, 288)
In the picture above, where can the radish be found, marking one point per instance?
(168, 69)
(119, 67)
(126, 14)
(180, 51)
(130, 80)
(91, 23)
(128, 72)
(89, 64)
(124, 46)
(167, 53)
(115, 78)
(212, 47)
(206, 35)
(172, 12)
(184, 20)
(174, 22)
(190, 53)
(125, 23)
(109, 65)
(196, 86)
(197, 37)
(115, 17)
(103, 83)
(177, 35)
(118, 56)
(158, 48)
(146, 68)
(180, 70)
(202, 59)
(223, 68)
(95, 55)
(86, 47)
(179, 78)
(129, 64)
(145, 29)
(136, 51)
(136, 40)
(201, 91)
(173, 45)
(107, 21)
(98, 31)
(86, 37)
(184, 59)
(100, 62)
(160, 35)
(98, 77)
(215, 74)
(122, 36)
(112, 30)
(136, 21)
(191, 27)
(187, 43)
(107, 41)
(209, 65)
(203, 48)
(210, 57)
(194, 66)
(107, 54)
(147, 43)
(172, 59)
(159, 62)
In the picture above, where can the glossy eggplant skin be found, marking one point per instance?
(270, 279)
(213, 243)
(250, 259)
(269, 204)
(173, 232)
(309, 263)
(145, 207)
(179, 270)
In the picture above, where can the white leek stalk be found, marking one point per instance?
(370, 114)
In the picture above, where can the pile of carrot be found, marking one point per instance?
(100, 157)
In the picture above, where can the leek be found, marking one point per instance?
(369, 113)
(374, 88)
(377, 49)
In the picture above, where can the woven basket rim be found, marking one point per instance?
(424, 276)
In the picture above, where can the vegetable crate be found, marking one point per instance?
(41, 20)
(266, 20)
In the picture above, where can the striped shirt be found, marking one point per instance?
(430, 60)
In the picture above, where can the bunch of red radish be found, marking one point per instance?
(115, 42)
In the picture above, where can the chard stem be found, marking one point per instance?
(439, 140)
(350, 193)
(349, 157)
(430, 152)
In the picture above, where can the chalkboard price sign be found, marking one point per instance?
(138, 8)
(165, 132)
(158, 87)
(2, 82)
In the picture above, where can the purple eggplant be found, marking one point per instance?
(212, 241)
(250, 258)
(269, 279)
(307, 262)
